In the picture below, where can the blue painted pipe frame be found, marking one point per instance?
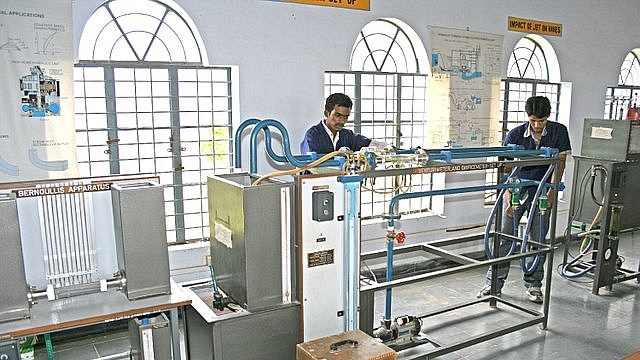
(295, 160)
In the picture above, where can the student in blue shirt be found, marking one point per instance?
(330, 134)
(536, 133)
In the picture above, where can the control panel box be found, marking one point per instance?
(322, 203)
(614, 140)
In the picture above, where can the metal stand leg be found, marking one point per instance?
(175, 333)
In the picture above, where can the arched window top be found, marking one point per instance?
(533, 58)
(630, 69)
(388, 45)
(142, 30)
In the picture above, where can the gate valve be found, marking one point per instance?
(401, 237)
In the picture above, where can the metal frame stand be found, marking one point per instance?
(527, 317)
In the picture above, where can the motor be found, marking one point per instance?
(400, 331)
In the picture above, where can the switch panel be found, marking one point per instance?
(9, 351)
(322, 202)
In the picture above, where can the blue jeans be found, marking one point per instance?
(534, 279)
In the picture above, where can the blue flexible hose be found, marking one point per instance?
(487, 228)
(528, 270)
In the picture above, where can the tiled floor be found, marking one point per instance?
(581, 325)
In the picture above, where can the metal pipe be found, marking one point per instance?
(285, 143)
(450, 191)
(75, 290)
(389, 277)
(351, 274)
(506, 151)
(297, 161)
(238, 143)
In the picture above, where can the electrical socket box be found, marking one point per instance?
(322, 202)
(9, 350)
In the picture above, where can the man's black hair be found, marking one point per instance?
(339, 99)
(538, 106)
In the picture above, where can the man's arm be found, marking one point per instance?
(557, 174)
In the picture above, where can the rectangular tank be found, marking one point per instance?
(141, 238)
(226, 335)
(252, 239)
(14, 303)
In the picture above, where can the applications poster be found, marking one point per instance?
(37, 130)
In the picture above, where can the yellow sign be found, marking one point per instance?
(534, 26)
(350, 4)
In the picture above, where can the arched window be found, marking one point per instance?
(626, 95)
(387, 81)
(532, 70)
(385, 46)
(630, 69)
(147, 102)
(140, 31)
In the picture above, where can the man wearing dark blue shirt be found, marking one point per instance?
(536, 133)
(329, 134)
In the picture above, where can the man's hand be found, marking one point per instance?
(551, 195)
(507, 198)
(509, 211)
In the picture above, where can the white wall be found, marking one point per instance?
(283, 49)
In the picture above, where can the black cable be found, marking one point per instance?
(594, 173)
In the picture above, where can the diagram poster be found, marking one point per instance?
(464, 92)
(37, 130)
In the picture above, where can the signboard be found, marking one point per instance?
(350, 4)
(534, 26)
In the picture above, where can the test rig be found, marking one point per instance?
(304, 224)
(602, 203)
(82, 252)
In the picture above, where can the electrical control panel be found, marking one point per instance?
(322, 204)
(9, 350)
(324, 219)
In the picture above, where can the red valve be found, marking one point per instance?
(401, 237)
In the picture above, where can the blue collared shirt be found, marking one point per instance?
(318, 139)
(554, 135)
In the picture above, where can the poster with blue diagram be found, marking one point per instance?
(464, 90)
(37, 130)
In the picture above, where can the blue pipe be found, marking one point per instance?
(448, 155)
(387, 307)
(473, 149)
(238, 143)
(253, 156)
(288, 156)
(390, 217)
(351, 254)
(296, 161)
